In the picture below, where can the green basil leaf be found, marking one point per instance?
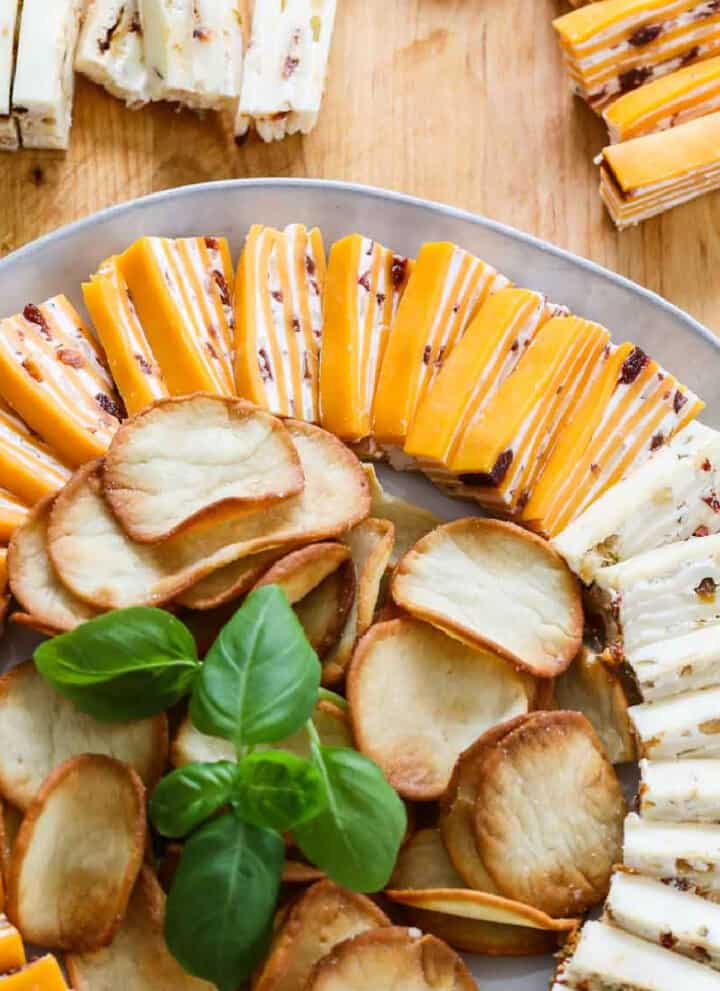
(278, 789)
(260, 679)
(220, 907)
(356, 839)
(126, 664)
(187, 797)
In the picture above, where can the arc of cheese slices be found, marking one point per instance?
(363, 288)
(679, 727)
(676, 665)
(674, 851)
(108, 300)
(488, 352)
(634, 407)
(445, 289)
(28, 467)
(279, 318)
(182, 291)
(12, 951)
(53, 375)
(681, 96)
(43, 974)
(12, 513)
(680, 791)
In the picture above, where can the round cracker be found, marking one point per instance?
(497, 586)
(77, 855)
(299, 872)
(228, 583)
(549, 814)
(299, 572)
(414, 732)
(185, 460)
(487, 938)
(324, 611)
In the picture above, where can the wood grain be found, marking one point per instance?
(462, 101)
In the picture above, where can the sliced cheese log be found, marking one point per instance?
(52, 374)
(660, 913)
(137, 374)
(681, 726)
(680, 664)
(606, 959)
(9, 134)
(664, 593)
(680, 790)
(43, 974)
(83, 532)
(632, 409)
(684, 852)
(679, 482)
(363, 288)
(12, 951)
(505, 447)
(13, 512)
(279, 317)
(445, 289)
(111, 50)
(28, 467)
(182, 292)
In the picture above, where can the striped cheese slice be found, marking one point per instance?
(28, 468)
(137, 374)
(680, 790)
(679, 664)
(182, 292)
(445, 289)
(682, 726)
(53, 375)
(363, 288)
(12, 951)
(674, 851)
(12, 513)
(279, 317)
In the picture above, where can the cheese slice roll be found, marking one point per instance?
(680, 790)
(674, 851)
(679, 664)
(681, 726)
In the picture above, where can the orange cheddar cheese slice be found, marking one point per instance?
(490, 350)
(12, 951)
(182, 291)
(363, 288)
(28, 468)
(279, 320)
(445, 289)
(12, 514)
(503, 450)
(137, 374)
(634, 407)
(53, 375)
(43, 974)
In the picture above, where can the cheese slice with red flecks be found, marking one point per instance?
(28, 468)
(111, 50)
(9, 133)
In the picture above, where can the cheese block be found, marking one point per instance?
(680, 790)
(12, 514)
(137, 374)
(678, 483)
(645, 176)
(660, 913)
(111, 50)
(691, 92)
(53, 375)
(663, 593)
(504, 449)
(43, 974)
(363, 288)
(615, 46)
(28, 467)
(674, 851)
(279, 318)
(42, 98)
(681, 726)
(445, 289)
(633, 408)
(489, 351)
(9, 134)
(285, 68)
(182, 292)
(680, 664)
(12, 951)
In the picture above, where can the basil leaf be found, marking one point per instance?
(260, 679)
(356, 839)
(187, 797)
(126, 664)
(220, 908)
(278, 789)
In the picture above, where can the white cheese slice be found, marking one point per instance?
(111, 50)
(682, 726)
(608, 959)
(285, 67)
(674, 851)
(678, 920)
(167, 30)
(671, 497)
(664, 593)
(9, 136)
(682, 664)
(44, 84)
(680, 790)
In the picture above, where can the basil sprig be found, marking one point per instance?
(258, 685)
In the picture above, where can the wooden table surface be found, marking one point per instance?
(461, 101)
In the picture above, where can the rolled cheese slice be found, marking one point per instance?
(28, 467)
(279, 316)
(53, 375)
(680, 791)
(680, 664)
(688, 853)
(682, 726)
(9, 133)
(363, 288)
(111, 50)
